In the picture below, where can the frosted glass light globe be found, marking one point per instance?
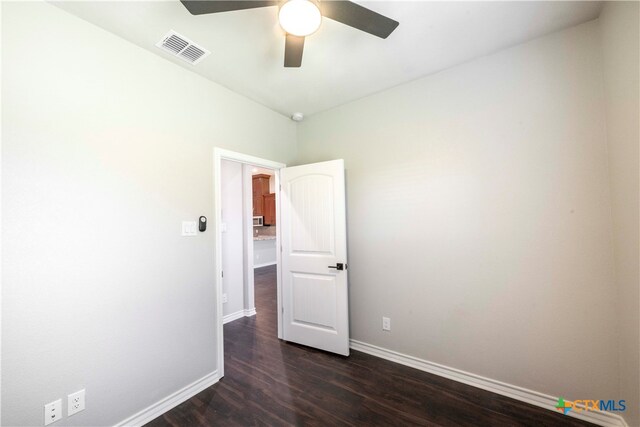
(300, 17)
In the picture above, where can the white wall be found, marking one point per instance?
(619, 22)
(233, 237)
(247, 260)
(479, 216)
(106, 148)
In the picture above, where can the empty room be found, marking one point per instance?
(320, 212)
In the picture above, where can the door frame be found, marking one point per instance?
(220, 154)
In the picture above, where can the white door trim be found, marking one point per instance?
(218, 155)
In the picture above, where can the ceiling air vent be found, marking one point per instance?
(182, 47)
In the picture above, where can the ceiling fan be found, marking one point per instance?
(301, 18)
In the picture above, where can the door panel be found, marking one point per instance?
(313, 300)
(312, 214)
(313, 230)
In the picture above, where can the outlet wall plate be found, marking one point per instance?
(386, 324)
(52, 412)
(75, 402)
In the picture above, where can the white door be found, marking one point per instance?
(314, 256)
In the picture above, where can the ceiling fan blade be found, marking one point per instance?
(293, 47)
(200, 7)
(359, 17)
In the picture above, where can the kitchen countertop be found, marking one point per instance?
(264, 237)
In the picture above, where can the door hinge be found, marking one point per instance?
(222, 273)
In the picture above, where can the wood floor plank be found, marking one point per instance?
(269, 382)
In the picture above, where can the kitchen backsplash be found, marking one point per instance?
(267, 230)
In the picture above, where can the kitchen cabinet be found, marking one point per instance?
(260, 188)
(269, 209)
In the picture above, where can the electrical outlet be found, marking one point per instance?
(75, 402)
(224, 299)
(52, 412)
(386, 324)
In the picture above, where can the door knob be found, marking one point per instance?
(339, 266)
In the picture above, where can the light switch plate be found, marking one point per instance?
(52, 412)
(75, 402)
(189, 228)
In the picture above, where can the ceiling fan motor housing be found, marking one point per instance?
(300, 18)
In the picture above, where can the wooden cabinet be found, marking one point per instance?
(260, 188)
(269, 209)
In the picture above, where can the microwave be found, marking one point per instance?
(258, 221)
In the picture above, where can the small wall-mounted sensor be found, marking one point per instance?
(297, 117)
(202, 224)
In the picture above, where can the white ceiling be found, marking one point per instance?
(340, 63)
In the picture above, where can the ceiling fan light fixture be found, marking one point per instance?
(300, 17)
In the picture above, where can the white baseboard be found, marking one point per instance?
(267, 264)
(528, 396)
(154, 411)
(232, 316)
(238, 314)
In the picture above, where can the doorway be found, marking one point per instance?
(311, 256)
(248, 235)
(236, 236)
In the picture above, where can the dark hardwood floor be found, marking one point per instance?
(269, 382)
